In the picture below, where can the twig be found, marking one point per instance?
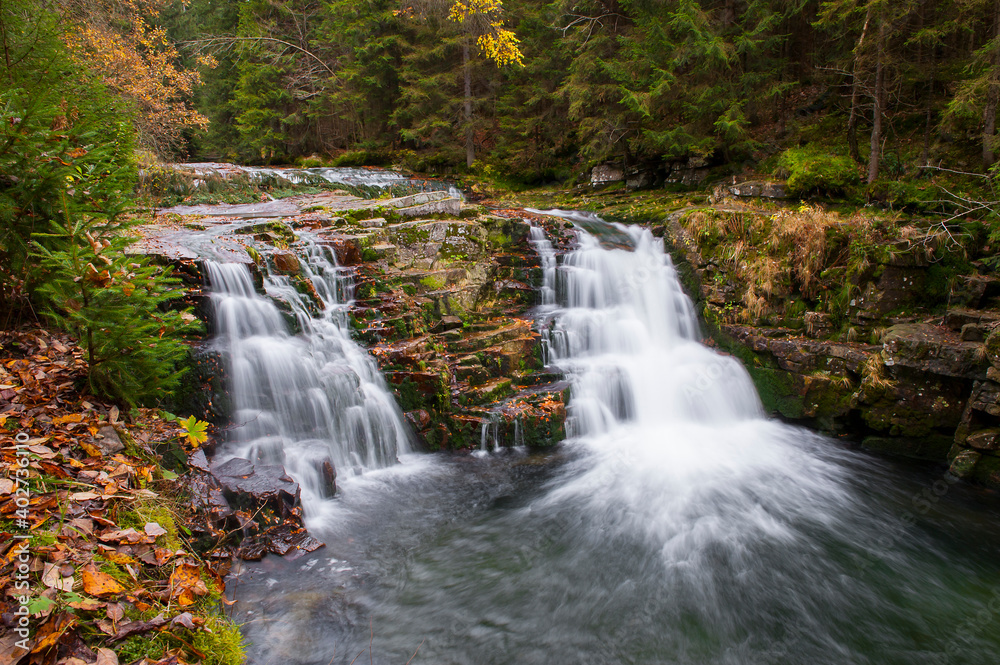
(359, 655)
(228, 40)
(415, 652)
(939, 168)
(371, 640)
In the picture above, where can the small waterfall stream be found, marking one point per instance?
(307, 399)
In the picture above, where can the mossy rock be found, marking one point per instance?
(965, 463)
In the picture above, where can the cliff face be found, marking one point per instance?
(858, 326)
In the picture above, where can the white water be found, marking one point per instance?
(366, 177)
(547, 257)
(678, 449)
(300, 400)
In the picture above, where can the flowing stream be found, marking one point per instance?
(678, 525)
(301, 400)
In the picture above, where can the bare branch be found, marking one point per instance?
(229, 40)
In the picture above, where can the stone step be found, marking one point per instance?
(519, 329)
(959, 317)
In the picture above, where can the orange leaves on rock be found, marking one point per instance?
(186, 584)
(97, 583)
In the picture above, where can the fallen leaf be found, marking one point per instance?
(53, 578)
(137, 627)
(50, 631)
(115, 612)
(184, 619)
(87, 604)
(97, 583)
(9, 651)
(90, 449)
(113, 415)
(106, 657)
(71, 418)
(154, 529)
(84, 496)
(6, 484)
(130, 535)
(186, 584)
(119, 558)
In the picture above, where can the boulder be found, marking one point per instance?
(964, 463)
(759, 189)
(933, 350)
(606, 174)
(242, 481)
(285, 263)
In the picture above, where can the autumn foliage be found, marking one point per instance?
(134, 58)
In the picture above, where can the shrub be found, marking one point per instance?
(811, 172)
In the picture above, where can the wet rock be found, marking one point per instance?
(933, 350)
(419, 418)
(260, 484)
(447, 323)
(959, 317)
(443, 207)
(606, 174)
(286, 263)
(759, 189)
(207, 498)
(818, 324)
(964, 463)
(972, 290)
(199, 461)
(983, 439)
(329, 473)
(973, 332)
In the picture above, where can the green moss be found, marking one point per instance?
(141, 512)
(779, 391)
(813, 171)
(223, 645)
(433, 282)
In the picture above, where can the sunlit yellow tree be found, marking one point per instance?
(482, 20)
(134, 58)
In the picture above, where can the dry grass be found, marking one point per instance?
(873, 373)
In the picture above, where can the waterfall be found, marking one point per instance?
(674, 441)
(307, 399)
(547, 257)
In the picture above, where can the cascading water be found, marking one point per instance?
(547, 257)
(301, 400)
(679, 526)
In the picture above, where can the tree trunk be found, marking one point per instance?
(875, 155)
(852, 120)
(992, 92)
(470, 148)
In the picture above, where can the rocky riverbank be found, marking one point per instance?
(868, 325)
